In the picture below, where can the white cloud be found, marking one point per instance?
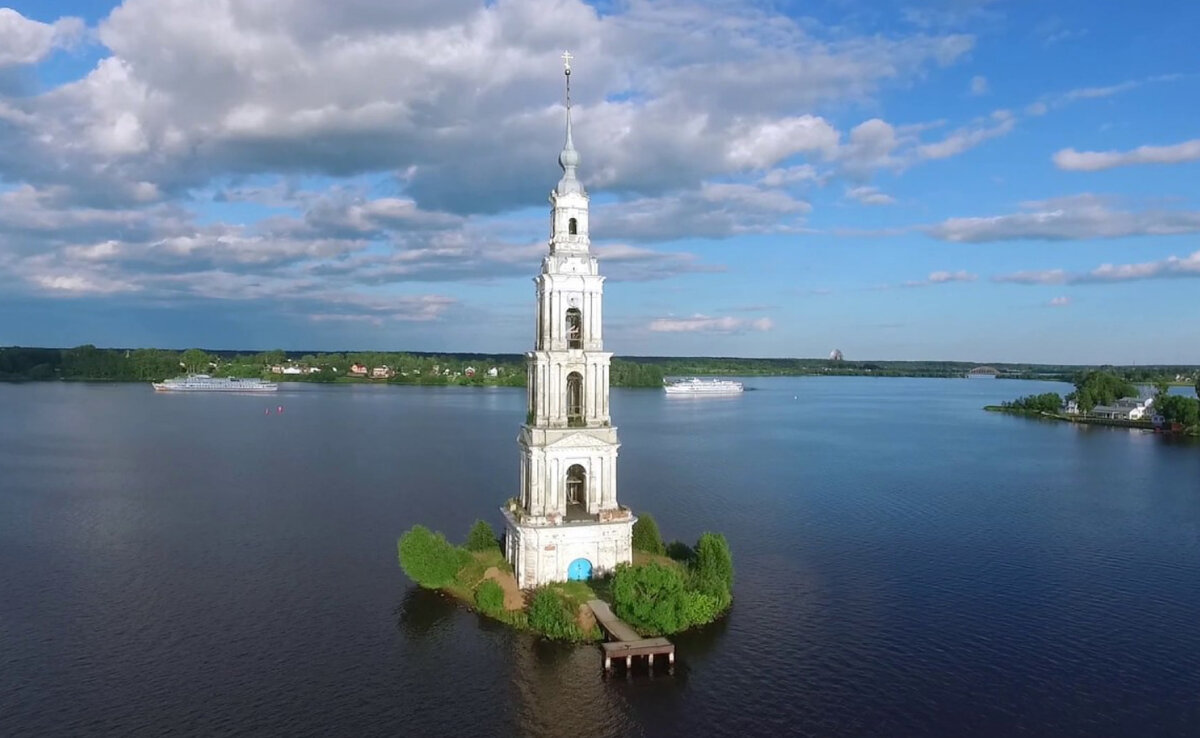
(668, 95)
(1046, 276)
(699, 323)
(871, 146)
(762, 145)
(944, 277)
(869, 196)
(1000, 123)
(979, 85)
(1059, 302)
(711, 211)
(1091, 161)
(1172, 267)
(25, 41)
(1069, 218)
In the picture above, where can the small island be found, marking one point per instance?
(1104, 398)
(666, 590)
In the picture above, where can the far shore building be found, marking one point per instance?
(1126, 408)
(565, 522)
(358, 370)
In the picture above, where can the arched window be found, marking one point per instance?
(574, 328)
(575, 399)
(572, 227)
(576, 487)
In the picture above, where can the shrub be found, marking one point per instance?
(482, 537)
(646, 536)
(428, 558)
(698, 608)
(649, 597)
(712, 569)
(680, 551)
(489, 597)
(550, 616)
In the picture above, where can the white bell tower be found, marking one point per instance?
(565, 523)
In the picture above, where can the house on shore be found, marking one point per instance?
(1126, 408)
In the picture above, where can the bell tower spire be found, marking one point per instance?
(569, 158)
(565, 522)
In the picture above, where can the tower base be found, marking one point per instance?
(543, 553)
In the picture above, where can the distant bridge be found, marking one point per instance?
(984, 371)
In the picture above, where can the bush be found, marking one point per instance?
(428, 558)
(489, 597)
(698, 608)
(482, 537)
(680, 551)
(712, 569)
(649, 597)
(551, 617)
(646, 536)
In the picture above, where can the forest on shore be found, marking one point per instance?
(89, 363)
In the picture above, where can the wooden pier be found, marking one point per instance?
(625, 642)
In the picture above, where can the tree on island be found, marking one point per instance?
(712, 569)
(1049, 402)
(646, 536)
(663, 599)
(482, 537)
(1100, 388)
(428, 558)
(1178, 409)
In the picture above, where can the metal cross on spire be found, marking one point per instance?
(566, 57)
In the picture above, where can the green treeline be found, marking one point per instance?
(1049, 402)
(129, 365)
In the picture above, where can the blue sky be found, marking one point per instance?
(948, 179)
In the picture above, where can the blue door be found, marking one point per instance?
(579, 570)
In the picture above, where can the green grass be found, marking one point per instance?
(469, 577)
(644, 557)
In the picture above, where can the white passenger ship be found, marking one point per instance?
(697, 386)
(205, 383)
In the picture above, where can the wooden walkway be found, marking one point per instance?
(627, 643)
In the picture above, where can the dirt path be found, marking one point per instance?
(513, 598)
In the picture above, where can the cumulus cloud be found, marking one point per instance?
(699, 323)
(1092, 161)
(25, 41)
(1172, 267)
(1068, 218)
(979, 85)
(667, 95)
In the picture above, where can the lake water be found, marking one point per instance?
(907, 565)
